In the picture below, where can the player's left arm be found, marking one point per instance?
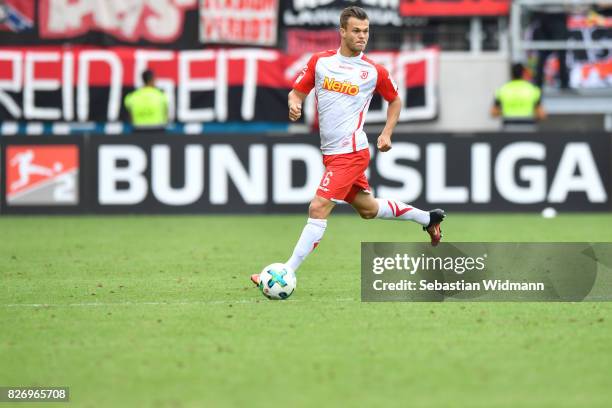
(393, 112)
(387, 88)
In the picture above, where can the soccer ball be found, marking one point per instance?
(277, 281)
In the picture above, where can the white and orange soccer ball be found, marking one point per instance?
(277, 281)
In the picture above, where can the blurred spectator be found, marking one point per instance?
(3, 12)
(551, 25)
(518, 102)
(603, 9)
(148, 106)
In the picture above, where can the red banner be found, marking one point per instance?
(16, 15)
(238, 22)
(157, 21)
(590, 21)
(239, 84)
(310, 41)
(440, 8)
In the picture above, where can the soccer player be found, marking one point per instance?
(344, 81)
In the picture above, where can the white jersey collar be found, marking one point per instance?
(356, 57)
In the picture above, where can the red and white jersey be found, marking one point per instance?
(344, 87)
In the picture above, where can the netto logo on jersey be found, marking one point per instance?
(343, 87)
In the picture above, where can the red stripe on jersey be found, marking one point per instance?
(359, 123)
(315, 124)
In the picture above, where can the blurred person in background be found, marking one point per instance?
(518, 102)
(551, 25)
(148, 106)
(603, 9)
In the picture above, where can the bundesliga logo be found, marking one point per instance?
(42, 175)
(343, 87)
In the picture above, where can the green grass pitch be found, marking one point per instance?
(158, 311)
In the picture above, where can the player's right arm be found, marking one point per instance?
(301, 88)
(295, 100)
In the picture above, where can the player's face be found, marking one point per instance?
(356, 34)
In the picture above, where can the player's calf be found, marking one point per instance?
(397, 210)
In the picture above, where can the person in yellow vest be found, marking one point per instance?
(148, 106)
(518, 102)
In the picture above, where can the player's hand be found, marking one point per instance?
(384, 143)
(295, 111)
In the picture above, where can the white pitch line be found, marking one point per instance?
(202, 302)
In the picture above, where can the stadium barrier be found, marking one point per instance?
(270, 174)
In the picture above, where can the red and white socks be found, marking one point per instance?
(315, 228)
(311, 235)
(396, 210)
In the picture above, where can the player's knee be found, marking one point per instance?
(367, 213)
(318, 210)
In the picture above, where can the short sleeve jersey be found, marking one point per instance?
(344, 87)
